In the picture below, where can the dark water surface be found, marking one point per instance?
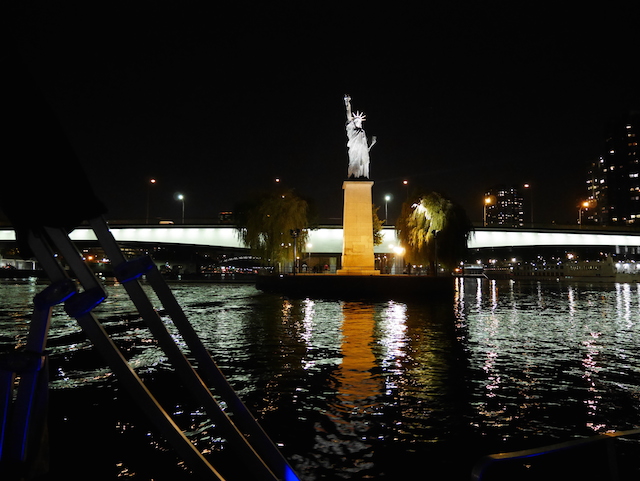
(354, 390)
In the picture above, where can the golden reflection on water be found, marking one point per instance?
(356, 385)
(356, 391)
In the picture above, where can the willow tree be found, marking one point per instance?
(271, 222)
(433, 230)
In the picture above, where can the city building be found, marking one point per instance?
(613, 183)
(503, 206)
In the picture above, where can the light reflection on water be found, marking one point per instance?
(354, 389)
(572, 347)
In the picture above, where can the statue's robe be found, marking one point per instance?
(358, 151)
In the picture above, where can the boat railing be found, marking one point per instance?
(480, 471)
(23, 445)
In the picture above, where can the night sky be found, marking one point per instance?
(216, 103)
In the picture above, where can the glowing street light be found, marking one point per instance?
(528, 187)
(387, 198)
(488, 200)
(180, 197)
(398, 258)
(151, 182)
(583, 205)
(398, 250)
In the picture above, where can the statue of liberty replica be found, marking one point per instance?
(357, 225)
(357, 143)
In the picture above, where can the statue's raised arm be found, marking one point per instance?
(347, 104)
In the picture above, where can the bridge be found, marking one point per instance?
(328, 239)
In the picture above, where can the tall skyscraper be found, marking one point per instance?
(613, 183)
(503, 207)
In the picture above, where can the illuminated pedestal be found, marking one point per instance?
(357, 228)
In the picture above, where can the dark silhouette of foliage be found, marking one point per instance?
(433, 229)
(265, 223)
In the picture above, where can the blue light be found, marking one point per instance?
(289, 475)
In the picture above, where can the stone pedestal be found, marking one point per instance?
(357, 228)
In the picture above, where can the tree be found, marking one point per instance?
(266, 224)
(433, 230)
(377, 226)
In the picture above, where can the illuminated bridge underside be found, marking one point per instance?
(329, 239)
(516, 237)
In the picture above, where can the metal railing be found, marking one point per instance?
(480, 469)
(22, 425)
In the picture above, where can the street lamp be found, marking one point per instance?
(180, 197)
(151, 182)
(530, 189)
(398, 261)
(583, 205)
(387, 198)
(488, 200)
(294, 235)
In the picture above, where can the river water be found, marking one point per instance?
(354, 390)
